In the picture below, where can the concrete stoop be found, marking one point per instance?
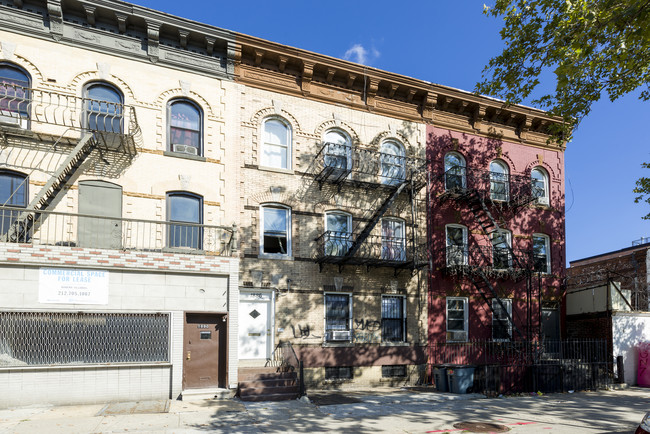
(207, 393)
(266, 384)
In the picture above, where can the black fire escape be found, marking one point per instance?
(385, 180)
(63, 126)
(491, 198)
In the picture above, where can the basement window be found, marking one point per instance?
(338, 372)
(393, 371)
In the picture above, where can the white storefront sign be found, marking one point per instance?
(69, 286)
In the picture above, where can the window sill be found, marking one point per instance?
(276, 257)
(395, 344)
(185, 156)
(338, 345)
(276, 169)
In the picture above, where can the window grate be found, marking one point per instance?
(338, 372)
(393, 371)
(58, 338)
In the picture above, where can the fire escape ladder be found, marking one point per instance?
(356, 245)
(489, 225)
(51, 190)
(482, 283)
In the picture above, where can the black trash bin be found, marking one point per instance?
(440, 378)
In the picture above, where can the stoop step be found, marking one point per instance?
(207, 393)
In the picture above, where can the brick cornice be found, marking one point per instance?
(293, 71)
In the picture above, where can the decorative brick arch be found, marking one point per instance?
(507, 160)
(270, 196)
(535, 163)
(334, 124)
(167, 95)
(388, 135)
(257, 118)
(35, 73)
(80, 80)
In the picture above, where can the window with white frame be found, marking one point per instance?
(501, 249)
(276, 230)
(392, 162)
(338, 233)
(276, 144)
(338, 317)
(455, 171)
(501, 319)
(457, 319)
(185, 216)
(393, 241)
(393, 318)
(539, 181)
(457, 250)
(499, 181)
(541, 253)
(338, 152)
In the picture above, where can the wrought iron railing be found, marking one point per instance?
(285, 359)
(514, 189)
(525, 366)
(78, 338)
(336, 163)
(333, 247)
(114, 125)
(82, 230)
(462, 259)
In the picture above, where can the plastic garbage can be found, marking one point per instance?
(460, 378)
(440, 378)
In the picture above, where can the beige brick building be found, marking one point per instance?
(114, 135)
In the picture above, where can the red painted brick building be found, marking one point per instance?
(496, 230)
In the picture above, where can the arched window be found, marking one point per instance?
(14, 193)
(104, 107)
(185, 217)
(14, 95)
(338, 233)
(499, 181)
(393, 162)
(455, 171)
(457, 250)
(539, 181)
(275, 226)
(393, 241)
(276, 144)
(184, 122)
(338, 152)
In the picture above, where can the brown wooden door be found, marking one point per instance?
(201, 350)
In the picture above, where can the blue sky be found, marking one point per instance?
(449, 42)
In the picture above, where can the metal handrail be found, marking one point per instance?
(114, 124)
(85, 230)
(337, 162)
(333, 245)
(284, 357)
(517, 189)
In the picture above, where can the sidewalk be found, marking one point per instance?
(329, 410)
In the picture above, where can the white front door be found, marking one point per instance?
(255, 325)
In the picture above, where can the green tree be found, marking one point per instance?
(594, 47)
(643, 190)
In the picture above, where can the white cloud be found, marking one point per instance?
(357, 53)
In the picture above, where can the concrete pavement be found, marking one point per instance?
(372, 410)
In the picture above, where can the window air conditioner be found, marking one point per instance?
(185, 149)
(343, 335)
(10, 119)
(456, 336)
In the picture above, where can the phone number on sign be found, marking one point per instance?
(74, 293)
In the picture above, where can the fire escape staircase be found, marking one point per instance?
(491, 229)
(20, 228)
